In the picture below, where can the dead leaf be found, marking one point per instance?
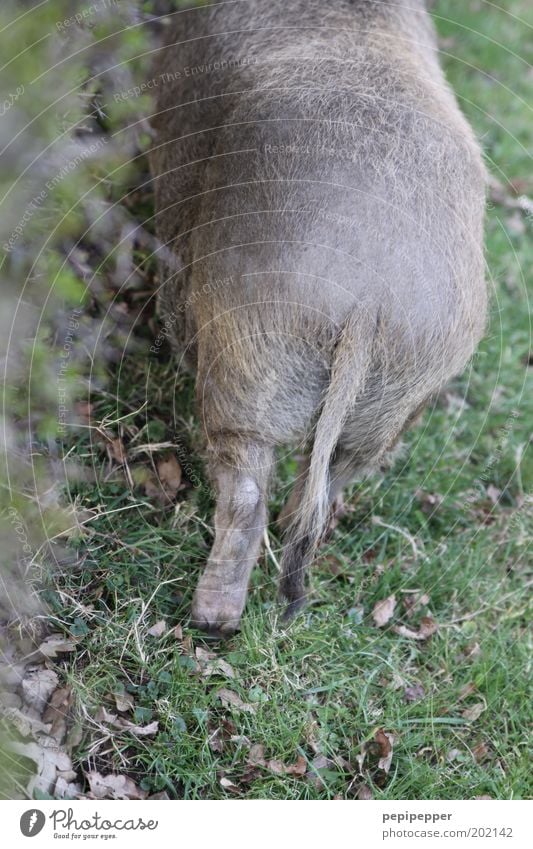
(231, 699)
(169, 472)
(158, 629)
(210, 664)
(67, 789)
(257, 755)
(24, 723)
(113, 787)
(383, 610)
(56, 644)
(139, 730)
(187, 644)
(386, 744)
(178, 632)
(124, 701)
(474, 712)
(415, 693)
(122, 724)
(428, 626)
(57, 713)
(227, 784)
(49, 761)
(280, 768)
(9, 700)
(480, 752)
(38, 685)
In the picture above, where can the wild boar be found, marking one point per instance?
(319, 204)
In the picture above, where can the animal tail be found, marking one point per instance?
(351, 362)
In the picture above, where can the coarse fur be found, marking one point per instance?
(323, 197)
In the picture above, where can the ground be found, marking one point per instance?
(431, 704)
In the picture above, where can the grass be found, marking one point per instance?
(328, 682)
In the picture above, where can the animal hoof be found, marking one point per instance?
(218, 622)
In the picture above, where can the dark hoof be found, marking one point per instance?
(218, 631)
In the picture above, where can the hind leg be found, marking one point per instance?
(240, 471)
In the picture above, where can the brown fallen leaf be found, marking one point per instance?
(178, 632)
(9, 700)
(24, 723)
(49, 761)
(279, 768)
(383, 611)
(386, 744)
(124, 701)
(139, 730)
(211, 664)
(56, 644)
(57, 713)
(231, 699)
(67, 789)
(122, 724)
(474, 712)
(480, 752)
(169, 472)
(38, 685)
(428, 626)
(114, 787)
(158, 629)
(256, 757)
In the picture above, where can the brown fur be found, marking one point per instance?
(323, 196)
